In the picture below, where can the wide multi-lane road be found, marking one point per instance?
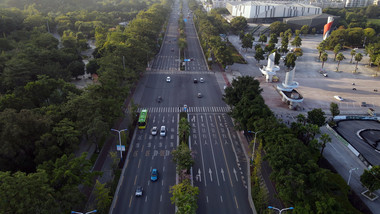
(220, 169)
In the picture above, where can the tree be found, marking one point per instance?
(76, 68)
(325, 138)
(339, 58)
(358, 58)
(334, 109)
(297, 41)
(182, 157)
(259, 55)
(290, 60)
(270, 47)
(247, 41)
(377, 62)
(183, 130)
(284, 44)
(353, 52)
(184, 196)
(277, 27)
(273, 38)
(316, 116)
(288, 33)
(298, 52)
(371, 178)
(305, 29)
(321, 48)
(324, 58)
(263, 38)
(238, 23)
(27, 193)
(337, 48)
(102, 197)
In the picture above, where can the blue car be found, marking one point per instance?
(154, 175)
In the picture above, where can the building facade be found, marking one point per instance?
(270, 10)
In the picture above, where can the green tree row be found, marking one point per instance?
(292, 153)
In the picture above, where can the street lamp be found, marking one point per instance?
(349, 177)
(118, 131)
(254, 142)
(289, 208)
(73, 212)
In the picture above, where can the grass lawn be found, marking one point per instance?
(236, 55)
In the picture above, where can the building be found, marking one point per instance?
(270, 11)
(357, 3)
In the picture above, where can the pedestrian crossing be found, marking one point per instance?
(212, 109)
(171, 72)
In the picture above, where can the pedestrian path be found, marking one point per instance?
(157, 71)
(213, 109)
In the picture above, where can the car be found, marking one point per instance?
(168, 79)
(139, 191)
(159, 99)
(163, 131)
(364, 104)
(154, 175)
(154, 130)
(200, 95)
(172, 49)
(201, 80)
(338, 98)
(195, 80)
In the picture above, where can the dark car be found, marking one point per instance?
(195, 80)
(159, 99)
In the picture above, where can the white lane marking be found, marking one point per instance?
(221, 171)
(235, 174)
(210, 172)
(203, 163)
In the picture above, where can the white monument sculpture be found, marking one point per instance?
(287, 90)
(270, 70)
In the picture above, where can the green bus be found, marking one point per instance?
(143, 119)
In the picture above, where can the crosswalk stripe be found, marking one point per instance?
(196, 109)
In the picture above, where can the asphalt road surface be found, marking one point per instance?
(220, 169)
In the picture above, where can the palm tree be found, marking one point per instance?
(358, 58)
(321, 48)
(324, 58)
(377, 62)
(353, 52)
(339, 57)
(325, 138)
(337, 48)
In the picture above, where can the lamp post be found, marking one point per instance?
(280, 211)
(349, 177)
(94, 211)
(254, 142)
(118, 131)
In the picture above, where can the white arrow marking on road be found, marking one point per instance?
(205, 142)
(154, 119)
(195, 142)
(199, 173)
(220, 120)
(221, 171)
(193, 119)
(209, 171)
(163, 119)
(173, 119)
(202, 118)
(225, 142)
(235, 174)
(210, 118)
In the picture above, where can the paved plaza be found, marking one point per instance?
(318, 91)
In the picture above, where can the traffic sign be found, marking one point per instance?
(186, 60)
(122, 148)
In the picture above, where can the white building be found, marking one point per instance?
(357, 3)
(264, 10)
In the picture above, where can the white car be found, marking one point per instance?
(154, 130)
(201, 80)
(163, 131)
(338, 98)
(168, 79)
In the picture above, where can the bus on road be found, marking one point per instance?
(143, 119)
